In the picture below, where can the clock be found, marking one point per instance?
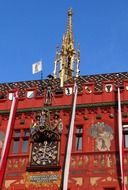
(44, 153)
(45, 143)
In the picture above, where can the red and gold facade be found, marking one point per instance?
(95, 155)
(35, 154)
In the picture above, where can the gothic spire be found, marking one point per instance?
(69, 33)
(67, 57)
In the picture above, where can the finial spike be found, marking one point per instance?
(69, 25)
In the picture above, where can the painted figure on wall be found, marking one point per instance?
(2, 136)
(103, 135)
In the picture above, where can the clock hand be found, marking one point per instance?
(51, 155)
(45, 146)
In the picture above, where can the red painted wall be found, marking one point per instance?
(96, 166)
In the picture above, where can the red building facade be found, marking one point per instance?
(34, 155)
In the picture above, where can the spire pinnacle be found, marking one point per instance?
(68, 56)
(69, 25)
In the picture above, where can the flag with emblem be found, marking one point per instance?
(37, 67)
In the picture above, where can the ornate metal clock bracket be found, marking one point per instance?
(46, 132)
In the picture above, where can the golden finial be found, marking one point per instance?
(70, 12)
(69, 26)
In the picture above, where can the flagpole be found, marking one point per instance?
(41, 69)
(41, 78)
(5, 149)
(120, 134)
(65, 175)
(41, 75)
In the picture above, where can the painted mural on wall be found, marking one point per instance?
(103, 135)
(2, 136)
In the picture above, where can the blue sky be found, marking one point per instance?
(30, 30)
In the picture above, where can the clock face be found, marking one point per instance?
(45, 153)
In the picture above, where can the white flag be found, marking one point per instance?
(37, 67)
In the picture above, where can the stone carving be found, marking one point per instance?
(48, 95)
(46, 127)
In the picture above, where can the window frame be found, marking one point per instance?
(78, 138)
(125, 132)
(21, 138)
